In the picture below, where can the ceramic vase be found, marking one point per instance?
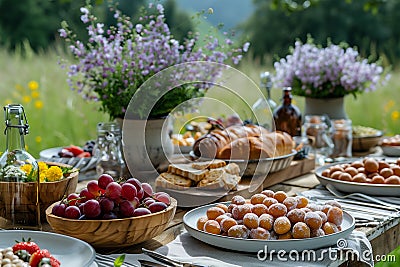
(147, 144)
(333, 107)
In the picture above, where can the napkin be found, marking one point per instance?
(187, 248)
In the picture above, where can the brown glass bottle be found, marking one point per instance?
(287, 117)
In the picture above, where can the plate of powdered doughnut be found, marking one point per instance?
(269, 220)
(371, 176)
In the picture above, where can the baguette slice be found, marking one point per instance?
(217, 183)
(231, 181)
(213, 164)
(232, 168)
(186, 170)
(172, 181)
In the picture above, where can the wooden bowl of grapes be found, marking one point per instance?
(113, 214)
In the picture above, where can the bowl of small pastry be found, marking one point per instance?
(391, 146)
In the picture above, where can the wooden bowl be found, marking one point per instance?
(365, 143)
(115, 232)
(49, 192)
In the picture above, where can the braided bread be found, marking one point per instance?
(243, 142)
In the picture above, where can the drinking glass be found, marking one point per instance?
(317, 129)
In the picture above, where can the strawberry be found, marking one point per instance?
(38, 256)
(76, 150)
(84, 155)
(54, 262)
(27, 245)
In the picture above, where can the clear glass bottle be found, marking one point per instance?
(19, 176)
(342, 136)
(287, 117)
(263, 107)
(108, 150)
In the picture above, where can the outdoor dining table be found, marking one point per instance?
(383, 237)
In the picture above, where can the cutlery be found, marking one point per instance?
(164, 259)
(105, 260)
(338, 194)
(322, 195)
(368, 224)
(145, 263)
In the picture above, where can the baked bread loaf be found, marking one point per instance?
(243, 142)
(211, 144)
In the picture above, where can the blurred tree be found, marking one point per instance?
(179, 22)
(25, 20)
(38, 21)
(298, 5)
(272, 31)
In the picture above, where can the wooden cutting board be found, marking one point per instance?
(194, 197)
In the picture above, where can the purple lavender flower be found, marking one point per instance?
(327, 72)
(117, 61)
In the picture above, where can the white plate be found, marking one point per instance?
(353, 187)
(83, 164)
(391, 151)
(68, 250)
(253, 245)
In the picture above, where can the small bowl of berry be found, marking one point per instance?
(113, 213)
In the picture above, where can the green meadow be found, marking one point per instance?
(59, 116)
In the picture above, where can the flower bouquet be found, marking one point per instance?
(115, 62)
(327, 72)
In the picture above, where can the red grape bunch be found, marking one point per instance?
(105, 198)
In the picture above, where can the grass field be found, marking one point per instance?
(59, 117)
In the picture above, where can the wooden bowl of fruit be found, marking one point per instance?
(113, 214)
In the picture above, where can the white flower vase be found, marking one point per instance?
(147, 144)
(333, 107)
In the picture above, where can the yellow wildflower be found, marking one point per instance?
(33, 85)
(38, 139)
(19, 87)
(26, 99)
(35, 94)
(54, 173)
(27, 168)
(389, 105)
(38, 104)
(42, 177)
(395, 115)
(42, 167)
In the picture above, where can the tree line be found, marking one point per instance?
(272, 29)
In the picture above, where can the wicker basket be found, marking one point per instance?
(115, 232)
(49, 192)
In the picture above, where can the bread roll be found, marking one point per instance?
(244, 142)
